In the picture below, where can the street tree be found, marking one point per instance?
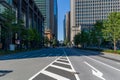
(34, 37)
(97, 32)
(46, 41)
(111, 30)
(66, 42)
(54, 43)
(8, 34)
(84, 38)
(77, 39)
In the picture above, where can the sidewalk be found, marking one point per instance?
(111, 56)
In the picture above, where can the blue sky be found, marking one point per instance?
(63, 7)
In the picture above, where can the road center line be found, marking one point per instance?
(103, 63)
(76, 75)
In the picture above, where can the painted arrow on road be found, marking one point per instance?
(96, 72)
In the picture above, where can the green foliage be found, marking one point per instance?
(66, 41)
(10, 18)
(96, 33)
(33, 35)
(46, 40)
(81, 38)
(111, 30)
(77, 39)
(84, 37)
(112, 51)
(54, 43)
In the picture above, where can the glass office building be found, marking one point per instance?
(42, 5)
(48, 9)
(84, 13)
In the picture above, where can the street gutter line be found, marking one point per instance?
(76, 75)
(103, 64)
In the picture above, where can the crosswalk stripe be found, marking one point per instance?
(63, 59)
(53, 75)
(62, 62)
(62, 68)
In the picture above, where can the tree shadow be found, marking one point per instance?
(48, 52)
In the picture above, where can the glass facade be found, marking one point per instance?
(55, 17)
(9, 1)
(84, 13)
(88, 11)
(48, 9)
(42, 5)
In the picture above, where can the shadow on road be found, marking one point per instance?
(4, 72)
(48, 52)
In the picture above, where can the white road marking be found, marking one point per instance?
(41, 70)
(62, 62)
(63, 59)
(53, 75)
(118, 63)
(103, 64)
(76, 75)
(62, 68)
(96, 72)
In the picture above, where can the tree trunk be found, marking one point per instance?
(114, 45)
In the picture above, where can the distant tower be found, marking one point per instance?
(67, 26)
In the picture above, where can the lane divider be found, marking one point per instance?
(103, 63)
(76, 73)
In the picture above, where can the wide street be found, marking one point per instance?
(59, 64)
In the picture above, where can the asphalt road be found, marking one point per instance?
(58, 64)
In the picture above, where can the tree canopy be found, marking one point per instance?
(111, 29)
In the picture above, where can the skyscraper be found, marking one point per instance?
(48, 9)
(84, 13)
(67, 26)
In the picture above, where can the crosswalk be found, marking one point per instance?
(60, 69)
